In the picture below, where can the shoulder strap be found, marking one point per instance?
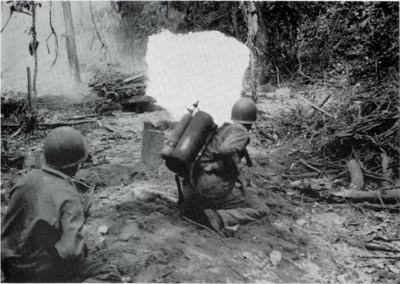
(191, 170)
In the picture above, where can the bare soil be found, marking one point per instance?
(148, 240)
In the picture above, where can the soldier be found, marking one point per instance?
(215, 192)
(41, 237)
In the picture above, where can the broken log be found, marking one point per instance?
(386, 196)
(356, 175)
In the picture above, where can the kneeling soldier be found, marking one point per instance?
(41, 237)
(215, 192)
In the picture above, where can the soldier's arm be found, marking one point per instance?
(235, 142)
(72, 243)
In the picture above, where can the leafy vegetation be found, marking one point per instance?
(312, 39)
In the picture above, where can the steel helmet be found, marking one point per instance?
(64, 147)
(244, 111)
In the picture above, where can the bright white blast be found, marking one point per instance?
(204, 66)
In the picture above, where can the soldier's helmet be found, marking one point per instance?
(244, 111)
(64, 147)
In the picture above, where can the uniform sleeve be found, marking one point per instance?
(236, 141)
(71, 244)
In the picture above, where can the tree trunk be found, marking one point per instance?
(70, 41)
(28, 71)
(265, 66)
(235, 21)
(34, 46)
(250, 12)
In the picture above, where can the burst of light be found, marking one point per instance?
(204, 66)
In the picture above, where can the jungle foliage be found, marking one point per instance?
(301, 40)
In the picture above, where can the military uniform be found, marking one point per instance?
(41, 237)
(217, 178)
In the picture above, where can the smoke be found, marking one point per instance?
(202, 66)
(122, 55)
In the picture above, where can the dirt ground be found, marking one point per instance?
(148, 241)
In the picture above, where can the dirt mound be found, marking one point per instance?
(116, 174)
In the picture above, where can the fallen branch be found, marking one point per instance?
(389, 187)
(356, 176)
(208, 229)
(390, 208)
(381, 256)
(65, 123)
(371, 175)
(381, 247)
(50, 124)
(316, 107)
(16, 132)
(320, 105)
(391, 196)
(309, 166)
(105, 127)
(293, 263)
(294, 151)
(134, 79)
(86, 97)
(78, 117)
(238, 273)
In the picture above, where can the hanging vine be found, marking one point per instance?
(53, 33)
(103, 45)
(19, 7)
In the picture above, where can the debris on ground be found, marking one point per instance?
(126, 94)
(310, 236)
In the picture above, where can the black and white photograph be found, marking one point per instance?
(200, 141)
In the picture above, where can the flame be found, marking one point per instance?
(204, 66)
